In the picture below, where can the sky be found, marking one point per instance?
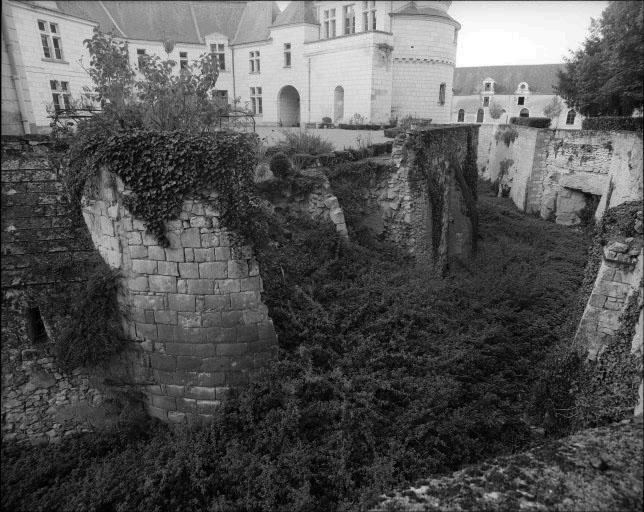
(512, 32)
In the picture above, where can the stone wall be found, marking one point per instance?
(398, 205)
(40, 403)
(560, 173)
(618, 279)
(194, 310)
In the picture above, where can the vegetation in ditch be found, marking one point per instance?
(385, 376)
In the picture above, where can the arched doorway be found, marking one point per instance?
(289, 106)
(524, 113)
(479, 115)
(338, 104)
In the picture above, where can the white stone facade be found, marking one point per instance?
(395, 70)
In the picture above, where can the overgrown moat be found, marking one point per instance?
(385, 374)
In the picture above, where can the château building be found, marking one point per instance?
(339, 59)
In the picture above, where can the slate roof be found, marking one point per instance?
(182, 21)
(539, 77)
(297, 12)
(256, 22)
(428, 11)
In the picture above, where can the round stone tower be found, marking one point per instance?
(424, 57)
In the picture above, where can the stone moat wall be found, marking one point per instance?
(559, 173)
(40, 402)
(193, 309)
(399, 204)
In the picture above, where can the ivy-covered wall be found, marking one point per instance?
(193, 309)
(436, 175)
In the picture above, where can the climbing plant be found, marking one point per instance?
(163, 168)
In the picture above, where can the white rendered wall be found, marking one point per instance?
(424, 54)
(38, 70)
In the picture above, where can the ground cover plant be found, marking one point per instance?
(385, 375)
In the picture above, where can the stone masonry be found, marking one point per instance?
(40, 402)
(194, 309)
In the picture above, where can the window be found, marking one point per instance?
(441, 94)
(183, 61)
(461, 116)
(349, 16)
(140, 56)
(254, 61)
(220, 55)
(455, 36)
(524, 113)
(368, 16)
(287, 55)
(488, 86)
(523, 86)
(256, 100)
(479, 115)
(60, 94)
(329, 23)
(521, 100)
(570, 118)
(220, 95)
(50, 39)
(486, 101)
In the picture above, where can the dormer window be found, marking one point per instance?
(523, 86)
(488, 86)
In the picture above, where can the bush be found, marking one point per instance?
(281, 165)
(630, 124)
(393, 132)
(533, 122)
(304, 143)
(385, 376)
(327, 120)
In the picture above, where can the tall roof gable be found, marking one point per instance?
(256, 21)
(541, 78)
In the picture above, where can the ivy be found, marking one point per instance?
(163, 168)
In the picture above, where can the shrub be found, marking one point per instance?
(533, 122)
(385, 375)
(304, 143)
(392, 132)
(631, 124)
(281, 165)
(508, 134)
(327, 120)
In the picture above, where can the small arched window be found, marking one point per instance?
(570, 118)
(461, 116)
(524, 113)
(479, 116)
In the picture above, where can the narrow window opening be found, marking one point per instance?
(521, 100)
(524, 113)
(461, 116)
(287, 55)
(183, 61)
(349, 16)
(570, 118)
(441, 94)
(140, 56)
(486, 101)
(35, 326)
(220, 55)
(480, 115)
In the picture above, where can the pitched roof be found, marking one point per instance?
(540, 78)
(256, 21)
(297, 12)
(183, 21)
(427, 11)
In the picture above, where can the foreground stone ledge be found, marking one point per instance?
(598, 469)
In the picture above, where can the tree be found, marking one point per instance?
(605, 76)
(496, 109)
(553, 109)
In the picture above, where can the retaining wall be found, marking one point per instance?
(556, 173)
